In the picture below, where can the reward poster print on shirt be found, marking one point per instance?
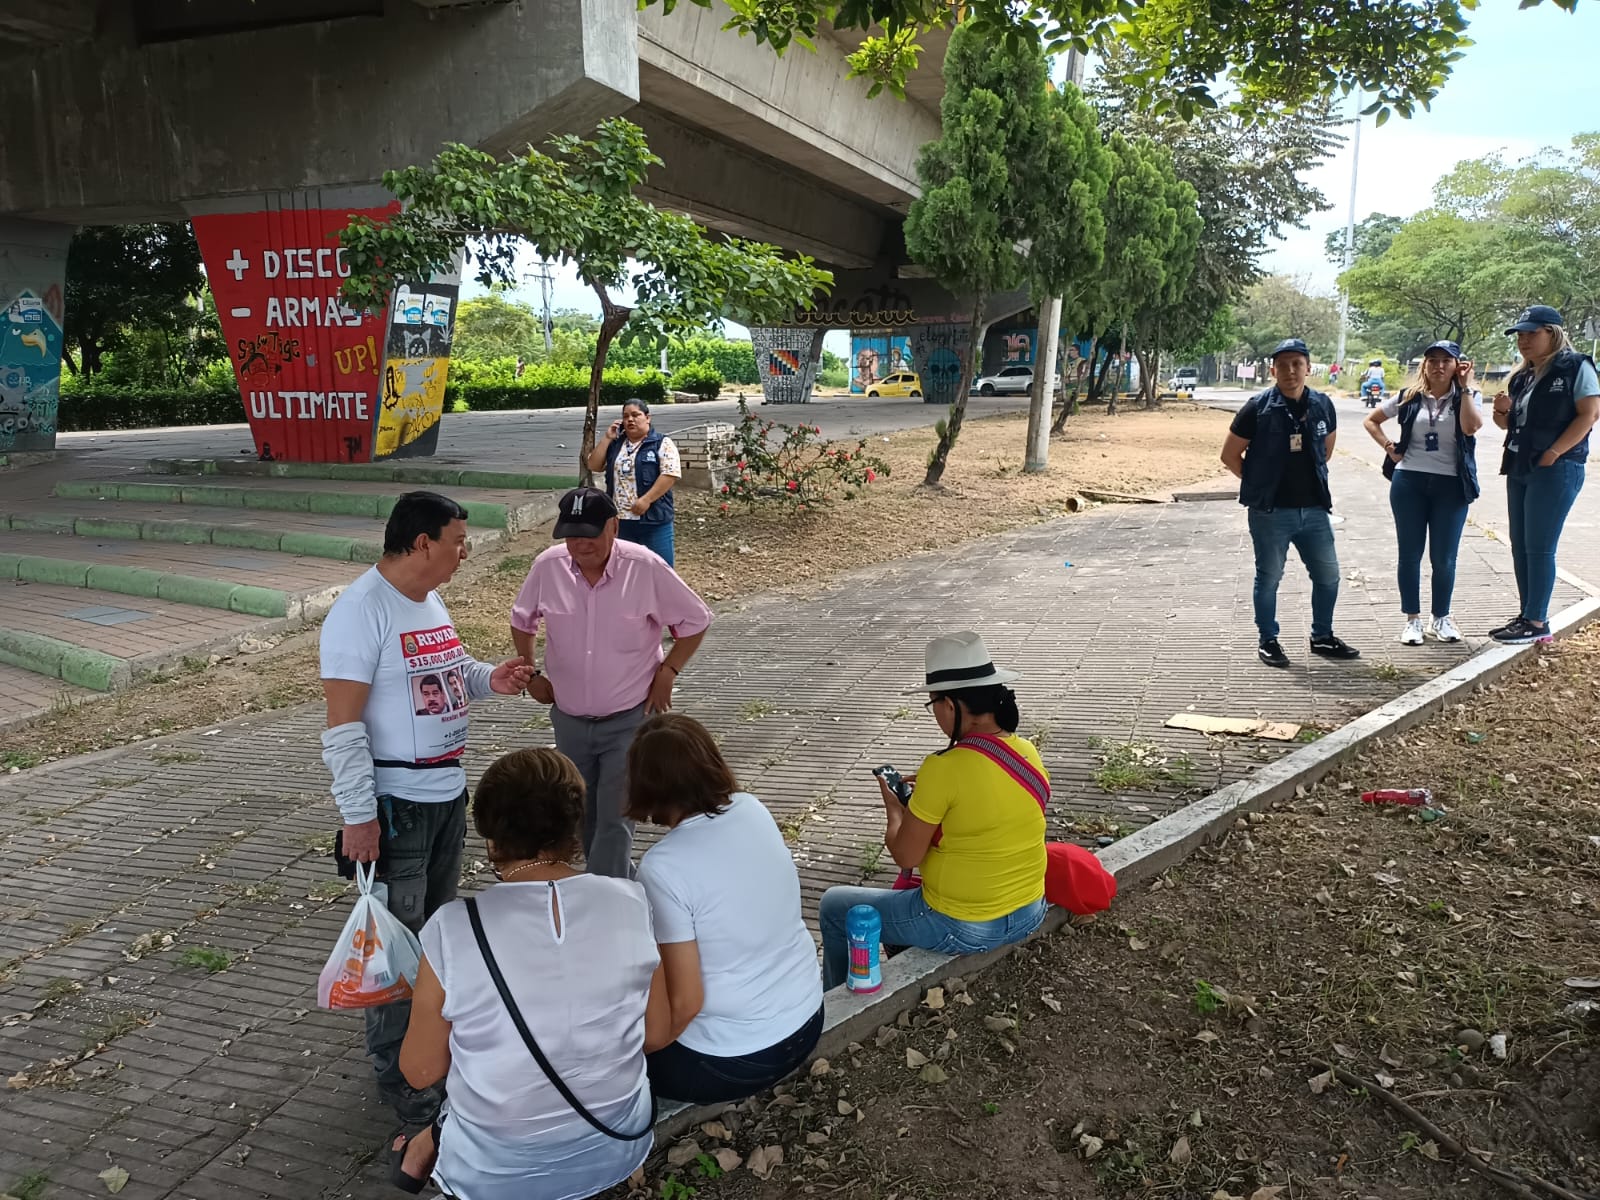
(434, 660)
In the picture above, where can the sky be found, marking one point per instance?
(1527, 82)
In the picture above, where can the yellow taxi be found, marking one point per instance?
(901, 383)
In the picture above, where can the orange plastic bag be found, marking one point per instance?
(375, 961)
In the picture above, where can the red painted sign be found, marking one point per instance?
(307, 363)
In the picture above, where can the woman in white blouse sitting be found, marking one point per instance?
(579, 962)
(743, 983)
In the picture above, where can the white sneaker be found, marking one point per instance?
(1411, 635)
(1444, 629)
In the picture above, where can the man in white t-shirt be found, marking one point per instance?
(394, 742)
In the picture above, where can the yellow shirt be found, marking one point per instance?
(990, 861)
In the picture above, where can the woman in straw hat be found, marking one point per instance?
(974, 823)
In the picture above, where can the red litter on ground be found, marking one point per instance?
(1414, 797)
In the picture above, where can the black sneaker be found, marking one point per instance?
(1272, 654)
(1506, 628)
(1521, 632)
(1332, 647)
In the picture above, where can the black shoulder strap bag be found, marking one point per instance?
(533, 1046)
(1400, 411)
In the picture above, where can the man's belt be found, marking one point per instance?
(403, 765)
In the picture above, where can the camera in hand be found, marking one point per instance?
(894, 781)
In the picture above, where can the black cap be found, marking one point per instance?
(1536, 316)
(1290, 346)
(1453, 349)
(584, 513)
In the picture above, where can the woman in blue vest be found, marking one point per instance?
(1433, 473)
(1551, 402)
(642, 467)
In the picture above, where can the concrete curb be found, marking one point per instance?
(370, 472)
(56, 659)
(1141, 856)
(163, 585)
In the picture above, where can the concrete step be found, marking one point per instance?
(105, 640)
(263, 584)
(317, 535)
(506, 509)
(412, 473)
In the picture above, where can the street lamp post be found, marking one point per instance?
(1349, 235)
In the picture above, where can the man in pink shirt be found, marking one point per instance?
(604, 604)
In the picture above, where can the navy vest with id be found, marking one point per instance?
(646, 470)
(1288, 442)
(1550, 409)
(1466, 445)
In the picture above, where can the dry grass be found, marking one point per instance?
(723, 557)
(1180, 1032)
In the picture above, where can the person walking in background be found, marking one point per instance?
(741, 968)
(974, 823)
(1549, 406)
(1433, 472)
(642, 467)
(603, 604)
(1278, 446)
(394, 743)
(1333, 375)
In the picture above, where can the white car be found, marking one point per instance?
(1008, 381)
(1186, 380)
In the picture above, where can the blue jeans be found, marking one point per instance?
(1433, 509)
(909, 921)
(652, 535)
(1537, 505)
(1308, 530)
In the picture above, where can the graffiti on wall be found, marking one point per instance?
(305, 361)
(941, 351)
(417, 366)
(30, 372)
(882, 307)
(877, 353)
(783, 356)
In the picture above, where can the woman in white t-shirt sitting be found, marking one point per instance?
(579, 963)
(743, 984)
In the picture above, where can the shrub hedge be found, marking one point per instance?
(95, 406)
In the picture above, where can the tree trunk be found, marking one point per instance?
(612, 318)
(958, 410)
(1037, 455)
(1111, 406)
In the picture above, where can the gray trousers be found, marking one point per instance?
(421, 851)
(599, 746)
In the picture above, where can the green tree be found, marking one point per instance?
(490, 327)
(122, 278)
(578, 206)
(985, 187)
(1400, 52)
(1373, 235)
(1456, 278)
(1278, 307)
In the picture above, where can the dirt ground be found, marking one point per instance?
(723, 557)
(1180, 1045)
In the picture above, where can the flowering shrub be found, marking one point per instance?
(791, 465)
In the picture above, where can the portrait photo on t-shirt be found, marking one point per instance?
(458, 689)
(430, 694)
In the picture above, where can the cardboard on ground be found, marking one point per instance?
(1276, 731)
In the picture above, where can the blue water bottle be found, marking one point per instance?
(864, 929)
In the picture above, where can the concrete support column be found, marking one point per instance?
(33, 268)
(321, 382)
(787, 360)
(941, 351)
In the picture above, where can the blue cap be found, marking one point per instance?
(1536, 316)
(1453, 349)
(1290, 346)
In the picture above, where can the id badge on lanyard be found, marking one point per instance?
(1296, 443)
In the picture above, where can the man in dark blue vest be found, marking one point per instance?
(1279, 445)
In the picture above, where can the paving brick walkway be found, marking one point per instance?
(216, 1086)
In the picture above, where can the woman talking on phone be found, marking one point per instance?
(1550, 403)
(974, 824)
(1433, 473)
(642, 467)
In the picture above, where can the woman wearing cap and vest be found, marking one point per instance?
(974, 824)
(642, 467)
(1551, 402)
(1433, 473)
